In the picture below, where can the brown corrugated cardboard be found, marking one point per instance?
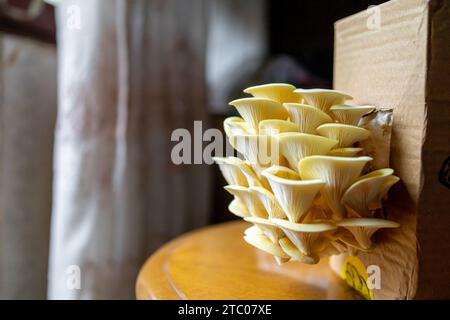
(397, 55)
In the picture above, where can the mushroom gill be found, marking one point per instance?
(237, 208)
(294, 196)
(252, 178)
(338, 173)
(250, 201)
(269, 202)
(363, 228)
(231, 170)
(295, 254)
(262, 242)
(307, 118)
(307, 237)
(363, 196)
(269, 228)
(295, 146)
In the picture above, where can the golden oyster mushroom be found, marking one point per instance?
(307, 117)
(350, 114)
(363, 228)
(294, 196)
(280, 92)
(296, 146)
(250, 201)
(254, 110)
(366, 193)
(338, 173)
(346, 134)
(323, 99)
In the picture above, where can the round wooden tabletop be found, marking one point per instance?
(216, 263)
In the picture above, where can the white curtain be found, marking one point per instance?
(129, 73)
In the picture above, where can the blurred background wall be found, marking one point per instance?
(87, 176)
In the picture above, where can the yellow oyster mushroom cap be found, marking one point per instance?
(251, 202)
(363, 228)
(307, 117)
(269, 202)
(346, 134)
(231, 170)
(294, 196)
(237, 208)
(280, 92)
(295, 254)
(307, 237)
(345, 152)
(338, 173)
(269, 228)
(350, 114)
(363, 196)
(262, 242)
(254, 110)
(276, 126)
(296, 146)
(323, 99)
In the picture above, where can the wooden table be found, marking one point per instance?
(216, 263)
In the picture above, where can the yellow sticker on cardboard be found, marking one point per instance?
(354, 272)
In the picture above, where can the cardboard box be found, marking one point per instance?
(397, 55)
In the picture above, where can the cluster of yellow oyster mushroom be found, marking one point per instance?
(301, 184)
